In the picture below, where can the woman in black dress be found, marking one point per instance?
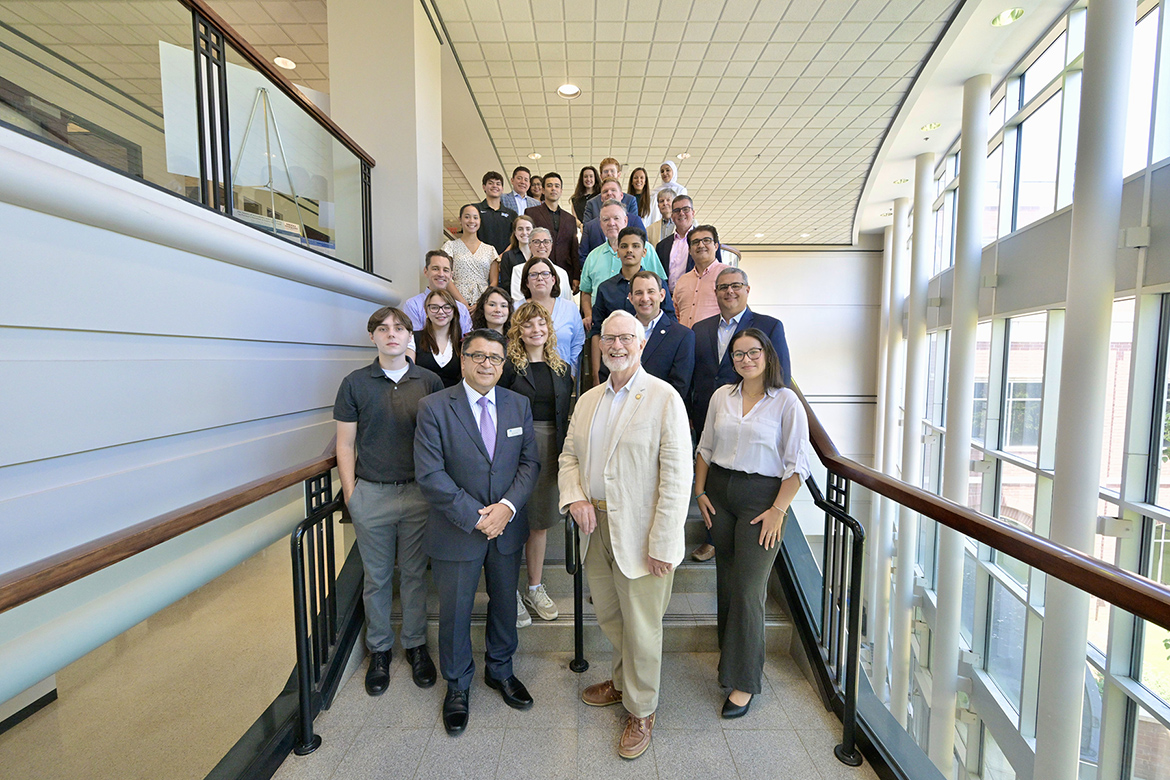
(588, 185)
(541, 375)
(436, 346)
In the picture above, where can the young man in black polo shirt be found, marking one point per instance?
(375, 412)
(495, 219)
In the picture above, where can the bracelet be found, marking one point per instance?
(782, 511)
(700, 495)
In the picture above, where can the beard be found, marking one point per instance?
(615, 364)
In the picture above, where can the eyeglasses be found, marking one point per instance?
(541, 242)
(626, 339)
(704, 241)
(683, 210)
(733, 286)
(480, 358)
(440, 308)
(539, 275)
(753, 353)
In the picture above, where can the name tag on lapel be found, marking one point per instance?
(515, 432)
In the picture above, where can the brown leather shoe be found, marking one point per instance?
(704, 552)
(636, 737)
(601, 694)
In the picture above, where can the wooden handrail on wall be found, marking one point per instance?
(1132, 592)
(38, 578)
(271, 71)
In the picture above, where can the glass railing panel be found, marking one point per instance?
(290, 176)
(114, 87)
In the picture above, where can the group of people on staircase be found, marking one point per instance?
(467, 438)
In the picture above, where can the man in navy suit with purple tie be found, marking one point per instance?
(669, 353)
(476, 461)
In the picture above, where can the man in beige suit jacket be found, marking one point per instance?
(625, 476)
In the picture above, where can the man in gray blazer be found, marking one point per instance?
(476, 461)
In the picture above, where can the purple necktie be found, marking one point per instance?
(487, 428)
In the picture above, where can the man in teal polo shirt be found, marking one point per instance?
(603, 262)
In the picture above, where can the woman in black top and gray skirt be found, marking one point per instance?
(752, 457)
(542, 376)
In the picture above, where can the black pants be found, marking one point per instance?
(741, 572)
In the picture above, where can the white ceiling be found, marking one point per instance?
(781, 105)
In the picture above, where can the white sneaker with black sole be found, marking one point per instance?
(540, 604)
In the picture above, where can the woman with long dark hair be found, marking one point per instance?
(494, 311)
(751, 459)
(436, 346)
(541, 375)
(588, 185)
(639, 187)
(471, 259)
(516, 254)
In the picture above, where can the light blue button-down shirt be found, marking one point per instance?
(726, 331)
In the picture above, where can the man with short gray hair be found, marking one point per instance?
(625, 475)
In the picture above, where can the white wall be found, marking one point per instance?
(152, 353)
(829, 302)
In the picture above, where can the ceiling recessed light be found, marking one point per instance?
(285, 62)
(1004, 18)
(534, 156)
(569, 91)
(805, 235)
(759, 235)
(930, 126)
(886, 214)
(901, 181)
(684, 155)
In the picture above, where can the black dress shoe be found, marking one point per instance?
(514, 693)
(455, 711)
(378, 675)
(422, 668)
(732, 710)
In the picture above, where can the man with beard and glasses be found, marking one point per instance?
(625, 472)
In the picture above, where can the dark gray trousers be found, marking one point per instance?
(742, 567)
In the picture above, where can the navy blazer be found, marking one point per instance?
(670, 354)
(457, 478)
(592, 237)
(712, 373)
(593, 206)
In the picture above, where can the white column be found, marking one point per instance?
(883, 541)
(385, 80)
(1096, 219)
(913, 408)
(879, 423)
(960, 405)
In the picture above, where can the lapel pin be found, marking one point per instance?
(638, 397)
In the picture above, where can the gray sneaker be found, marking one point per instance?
(522, 617)
(540, 604)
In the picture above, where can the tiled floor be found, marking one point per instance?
(787, 733)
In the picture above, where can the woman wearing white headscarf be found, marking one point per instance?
(668, 172)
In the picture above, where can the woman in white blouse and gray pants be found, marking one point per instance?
(751, 460)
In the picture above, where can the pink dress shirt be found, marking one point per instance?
(694, 295)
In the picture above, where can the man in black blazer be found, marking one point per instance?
(669, 353)
(712, 335)
(476, 461)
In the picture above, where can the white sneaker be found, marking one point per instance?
(522, 617)
(539, 602)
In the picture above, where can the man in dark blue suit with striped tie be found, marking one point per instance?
(476, 461)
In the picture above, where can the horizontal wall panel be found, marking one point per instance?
(1033, 266)
(127, 399)
(54, 505)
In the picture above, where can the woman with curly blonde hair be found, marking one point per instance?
(543, 377)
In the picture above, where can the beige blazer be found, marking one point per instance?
(649, 470)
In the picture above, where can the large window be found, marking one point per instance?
(1141, 90)
(1039, 150)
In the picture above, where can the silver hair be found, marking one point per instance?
(732, 270)
(539, 230)
(671, 191)
(639, 329)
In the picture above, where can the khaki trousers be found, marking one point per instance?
(630, 613)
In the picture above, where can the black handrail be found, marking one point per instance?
(840, 604)
(314, 603)
(573, 567)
